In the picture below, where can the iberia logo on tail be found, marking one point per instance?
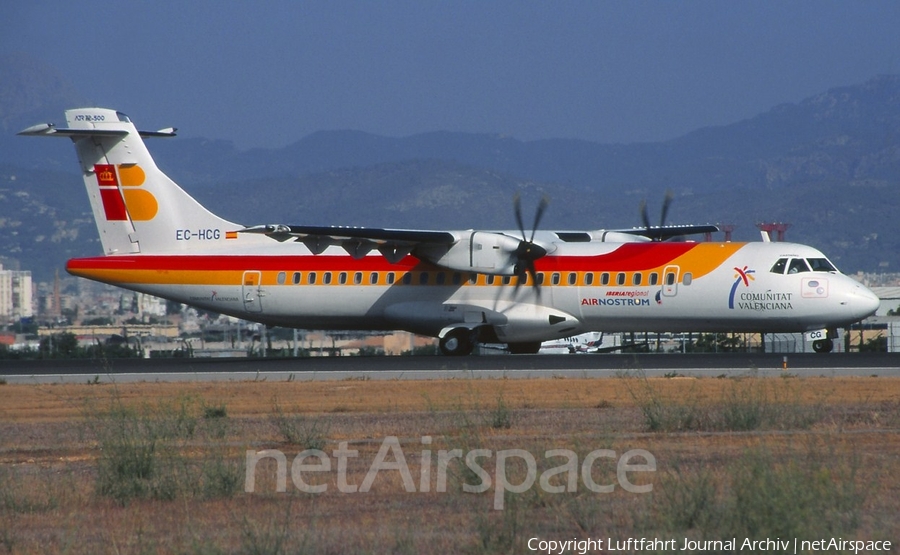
(120, 194)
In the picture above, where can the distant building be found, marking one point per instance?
(142, 304)
(15, 295)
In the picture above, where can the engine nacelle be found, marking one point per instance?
(484, 252)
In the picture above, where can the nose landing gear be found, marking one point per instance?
(823, 345)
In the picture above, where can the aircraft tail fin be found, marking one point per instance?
(137, 208)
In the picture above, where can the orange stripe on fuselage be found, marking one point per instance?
(705, 257)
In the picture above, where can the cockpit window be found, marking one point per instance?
(123, 118)
(821, 265)
(779, 266)
(797, 266)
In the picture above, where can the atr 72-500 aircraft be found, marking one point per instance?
(461, 286)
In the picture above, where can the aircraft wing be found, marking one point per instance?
(661, 233)
(394, 244)
(488, 252)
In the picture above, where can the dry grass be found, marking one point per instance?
(62, 402)
(843, 452)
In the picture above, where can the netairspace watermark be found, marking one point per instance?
(775, 545)
(558, 479)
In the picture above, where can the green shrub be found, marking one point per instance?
(297, 429)
(763, 494)
(143, 452)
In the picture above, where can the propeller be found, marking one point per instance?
(528, 251)
(645, 218)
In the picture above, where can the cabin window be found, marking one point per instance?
(654, 278)
(326, 279)
(407, 278)
(540, 278)
(357, 278)
(779, 266)
(589, 278)
(297, 277)
(423, 278)
(390, 278)
(342, 278)
(311, 278)
(821, 265)
(620, 278)
(373, 278)
(473, 279)
(687, 278)
(506, 280)
(670, 278)
(604, 278)
(457, 278)
(797, 265)
(572, 278)
(554, 278)
(636, 278)
(490, 280)
(282, 277)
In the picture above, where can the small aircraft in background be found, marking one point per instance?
(516, 287)
(589, 342)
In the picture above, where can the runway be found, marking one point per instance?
(439, 367)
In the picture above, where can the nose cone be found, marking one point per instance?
(862, 302)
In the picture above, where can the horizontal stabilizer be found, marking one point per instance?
(49, 129)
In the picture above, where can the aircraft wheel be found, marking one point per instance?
(458, 342)
(823, 345)
(529, 348)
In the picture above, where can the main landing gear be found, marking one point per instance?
(458, 342)
(461, 342)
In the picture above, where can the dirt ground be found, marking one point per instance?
(162, 467)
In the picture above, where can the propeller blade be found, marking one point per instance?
(542, 207)
(527, 250)
(665, 209)
(522, 276)
(517, 204)
(645, 218)
(534, 279)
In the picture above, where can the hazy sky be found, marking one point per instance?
(267, 73)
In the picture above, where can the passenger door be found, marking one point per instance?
(670, 281)
(252, 291)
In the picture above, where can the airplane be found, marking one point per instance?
(464, 287)
(589, 342)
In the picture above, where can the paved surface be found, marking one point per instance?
(438, 367)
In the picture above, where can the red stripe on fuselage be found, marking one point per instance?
(628, 257)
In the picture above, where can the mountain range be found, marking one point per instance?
(829, 165)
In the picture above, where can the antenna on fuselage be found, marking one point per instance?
(766, 230)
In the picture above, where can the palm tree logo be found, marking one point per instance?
(742, 275)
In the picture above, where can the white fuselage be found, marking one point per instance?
(586, 287)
